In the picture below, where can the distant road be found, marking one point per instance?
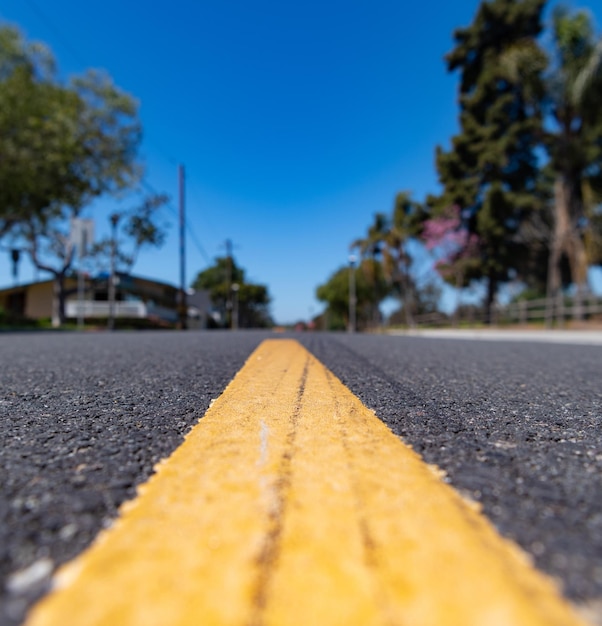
(83, 419)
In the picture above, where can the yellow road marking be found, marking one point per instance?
(291, 503)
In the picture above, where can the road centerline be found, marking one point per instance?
(270, 551)
(291, 503)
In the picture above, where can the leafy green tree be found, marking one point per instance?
(61, 146)
(491, 171)
(36, 138)
(370, 286)
(227, 287)
(426, 301)
(406, 224)
(254, 306)
(370, 248)
(218, 280)
(387, 241)
(575, 147)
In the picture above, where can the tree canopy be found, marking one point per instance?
(521, 182)
(491, 171)
(233, 296)
(574, 146)
(61, 146)
(371, 287)
(387, 240)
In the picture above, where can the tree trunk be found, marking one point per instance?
(58, 300)
(408, 311)
(409, 296)
(567, 241)
(459, 282)
(490, 299)
(58, 286)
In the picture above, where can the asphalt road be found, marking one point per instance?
(84, 418)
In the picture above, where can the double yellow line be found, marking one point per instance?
(291, 503)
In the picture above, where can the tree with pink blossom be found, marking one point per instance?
(454, 247)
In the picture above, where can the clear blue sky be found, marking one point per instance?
(295, 121)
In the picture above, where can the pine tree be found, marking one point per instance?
(491, 171)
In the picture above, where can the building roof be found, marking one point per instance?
(99, 277)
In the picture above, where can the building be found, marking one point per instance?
(200, 309)
(135, 298)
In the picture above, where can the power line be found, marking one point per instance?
(58, 34)
(76, 56)
(197, 243)
(190, 231)
(64, 41)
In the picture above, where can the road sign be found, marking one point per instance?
(82, 235)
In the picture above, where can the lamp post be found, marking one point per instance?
(235, 288)
(114, 221)
(182, 297)
(352, 296)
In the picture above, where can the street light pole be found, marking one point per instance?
(352, 296)
(235, 288)
(114, 221)
(182, 304)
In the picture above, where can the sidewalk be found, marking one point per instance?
(579, 337)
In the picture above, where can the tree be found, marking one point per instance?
(575, 147)
(426, 302)
(405, 226)
(370, 248)
(387, 242)
(36, 139)
(455, 248)
(52, 249)
(254, 306)
(134, 229)
(227, 287)
(61, 146)
(491, 171)
(371, 288)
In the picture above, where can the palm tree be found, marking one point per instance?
(575, 92)
(387, 239)
(370, 249)
(406, 225)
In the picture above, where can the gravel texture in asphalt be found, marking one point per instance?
(85, 417)
(516, 427)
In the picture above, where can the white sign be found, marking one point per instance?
(82, 235)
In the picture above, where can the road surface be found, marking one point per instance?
(84, 418)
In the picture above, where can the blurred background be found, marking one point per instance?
(319, 165)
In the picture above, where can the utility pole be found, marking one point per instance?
(112, 278)
(229, 270)
(235, 288)
(352, 295)
(15, 255)
(182, 308)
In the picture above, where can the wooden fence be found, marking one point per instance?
(553, 312)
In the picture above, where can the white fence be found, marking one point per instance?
(141, 310)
